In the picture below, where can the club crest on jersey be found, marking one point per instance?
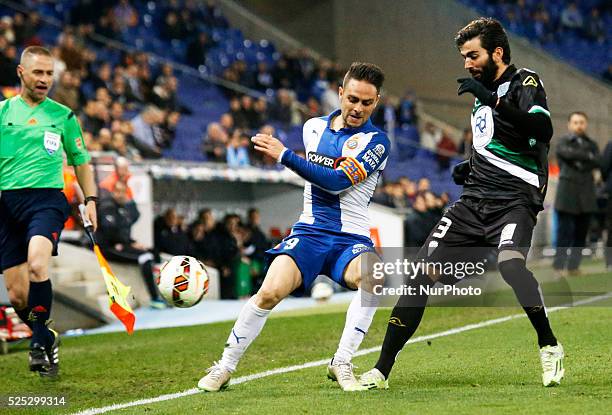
(51, 141)
(352, 143)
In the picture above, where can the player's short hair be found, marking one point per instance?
(582, 114)
(492, 35)
(35, 50)
(363, 71)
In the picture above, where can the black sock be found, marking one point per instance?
(539, 321)
(405, 319)
(24, 315)
(39, 301)
(527, 291)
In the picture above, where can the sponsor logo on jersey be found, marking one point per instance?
(357, 248)
(32, 121)
(379, 150)
(321, 159)
(372, 159)
(530, 81)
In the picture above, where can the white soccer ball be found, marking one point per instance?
(182, 281)
(322, 291)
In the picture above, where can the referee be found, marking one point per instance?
(35, 131)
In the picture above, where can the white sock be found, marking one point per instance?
(358, 319)
(246, 328)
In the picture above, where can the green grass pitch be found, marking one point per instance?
(494, 369)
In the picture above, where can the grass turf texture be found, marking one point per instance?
(489, 370)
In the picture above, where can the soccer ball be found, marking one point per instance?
(182, 281)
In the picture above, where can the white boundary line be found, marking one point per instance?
(287, 369)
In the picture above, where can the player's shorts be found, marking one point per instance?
(472, 228)
(25, 213)
(319, 252)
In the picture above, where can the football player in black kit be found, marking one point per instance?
(504, 182)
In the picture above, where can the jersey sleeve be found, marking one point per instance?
(74, 145)
(529, 95)
(348, 171)
(371, 159)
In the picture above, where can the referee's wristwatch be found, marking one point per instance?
(91, 199)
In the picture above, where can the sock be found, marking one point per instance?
(528, 293)
(539, 321)
(405, 319)
(246, 328)
(39, 301)
(358, 319)
(24, 315)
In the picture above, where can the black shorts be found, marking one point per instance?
(25, 213)
(473, 228)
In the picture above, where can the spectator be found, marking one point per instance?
(283, 110)
(330, 100)
(407, 110)
(424, 185)
(121, 173)
(237, 150)
(117, 215)
(225, 253)
(125, 15)
(431, 136)
(169, 236)
(200, 232)
(95, 116)
(465, 146)
(575, 201)
(121, 147)
(172, 28)
(445, 149)
(215, 143)
(65, 92)
(59, 66)
(227, 123)
(147, 133)
(571, 17)
(247, 109)
(258, 243)
(71, 53)
(240, 119)
(6, 29)
(595, 28)
(198, 49)
(261, 111)
(418, 223)
(8, 64)
(263, 79)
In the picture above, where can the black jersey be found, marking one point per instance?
(506, 164)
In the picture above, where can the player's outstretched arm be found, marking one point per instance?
(334, 181)
(534, 124)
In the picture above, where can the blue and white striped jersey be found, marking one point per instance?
(342, 170)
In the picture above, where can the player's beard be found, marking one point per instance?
(489, 71)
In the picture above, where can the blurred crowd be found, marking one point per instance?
(556, 21)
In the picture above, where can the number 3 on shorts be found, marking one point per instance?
(291, 243)
(442, 228)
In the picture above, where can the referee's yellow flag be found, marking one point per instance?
(117, 294)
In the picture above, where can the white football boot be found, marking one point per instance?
(373, 379)
(342, 372)
(217, 379)
(552, 364)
